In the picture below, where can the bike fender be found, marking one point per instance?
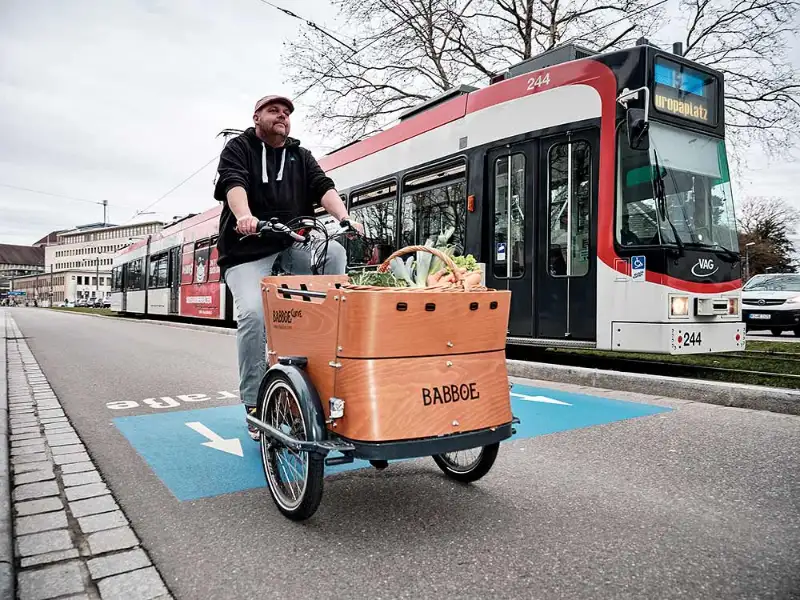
(310, 402)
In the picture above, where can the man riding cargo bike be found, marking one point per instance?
(265, 174)
(396, 366)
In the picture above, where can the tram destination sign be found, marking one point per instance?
(684, 92)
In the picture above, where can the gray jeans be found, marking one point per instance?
(251, 339)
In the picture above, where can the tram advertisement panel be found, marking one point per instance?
(200, 300)
(684, 92)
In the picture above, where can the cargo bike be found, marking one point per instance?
(377, 374)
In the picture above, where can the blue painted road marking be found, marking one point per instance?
(577, 411)
(199, 461)
(181, 458)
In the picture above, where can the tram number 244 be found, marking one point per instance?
(687, 339)
(540, 81)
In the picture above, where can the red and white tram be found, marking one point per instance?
(595, 187)
(173, 273)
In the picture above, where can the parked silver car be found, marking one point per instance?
(772, 301)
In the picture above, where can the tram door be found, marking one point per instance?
(566, 282)
(174, 279)
(124, 286)
(510, 191)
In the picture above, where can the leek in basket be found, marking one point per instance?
(415, 269)
(375, 278)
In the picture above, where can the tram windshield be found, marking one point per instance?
(678, 193)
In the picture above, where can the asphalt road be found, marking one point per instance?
(700, 501)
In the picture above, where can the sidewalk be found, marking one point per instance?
(7, 588)
(69, 534)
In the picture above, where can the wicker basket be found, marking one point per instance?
(460, 285)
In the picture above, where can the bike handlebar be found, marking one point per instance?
(277, 227)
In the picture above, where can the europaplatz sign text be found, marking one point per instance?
(684, 108)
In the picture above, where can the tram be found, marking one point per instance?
(594, 187)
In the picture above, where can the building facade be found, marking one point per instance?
(78, 265)
(17, 262)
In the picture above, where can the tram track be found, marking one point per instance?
(784, 371)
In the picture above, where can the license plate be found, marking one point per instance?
(759, 316)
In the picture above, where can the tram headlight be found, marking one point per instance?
(679, 306)
(733, 306)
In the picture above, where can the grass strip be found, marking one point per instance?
(760, 364)
(86, 309)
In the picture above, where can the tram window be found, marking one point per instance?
(116, 279)
(158, 271)
(637, 223)
(375, 209)
(569, 209)
(509, 233)
(434, 208)
(135, 275)
(152, 276)
(213, 267)
(201, 256)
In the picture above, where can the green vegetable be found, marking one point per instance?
(375, 278)
(467, 262)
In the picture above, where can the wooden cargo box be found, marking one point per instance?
(408, 364)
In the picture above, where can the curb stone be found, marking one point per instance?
(222, 330)
(7, 573)
(737, 395)
(69, 534)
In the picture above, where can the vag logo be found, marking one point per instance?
(704, 267)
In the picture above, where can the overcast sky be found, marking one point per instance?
(123, 99)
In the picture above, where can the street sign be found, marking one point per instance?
(17, 293)
(206, 452)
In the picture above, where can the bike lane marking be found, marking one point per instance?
(195, 453)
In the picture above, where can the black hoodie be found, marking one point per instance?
(284, 182)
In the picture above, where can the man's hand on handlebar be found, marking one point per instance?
(357, 228)
(247, 225)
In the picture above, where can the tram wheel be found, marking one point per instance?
(295, 478)
(473, 468)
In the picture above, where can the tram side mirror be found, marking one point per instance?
(638, 129)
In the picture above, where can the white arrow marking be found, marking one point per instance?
(231, 446)
(544, 399)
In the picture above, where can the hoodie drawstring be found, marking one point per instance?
(264, 176)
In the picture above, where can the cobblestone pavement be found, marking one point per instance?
(71, 539)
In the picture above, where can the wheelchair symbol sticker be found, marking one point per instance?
(638, 268)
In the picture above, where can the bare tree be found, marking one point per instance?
(513, 30)
(768, 223)
(747, 40)
(404, 55)
(407, 51)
